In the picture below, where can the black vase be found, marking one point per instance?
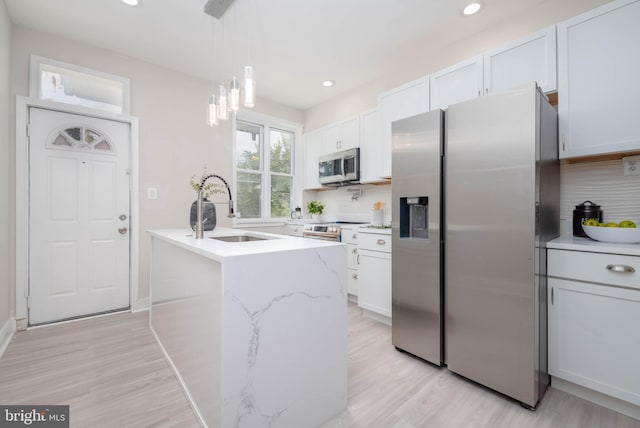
(208, 215)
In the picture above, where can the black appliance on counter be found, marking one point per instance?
(584, 211)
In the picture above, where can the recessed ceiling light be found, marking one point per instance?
(328, 83)
(131, 2)
(471, 8)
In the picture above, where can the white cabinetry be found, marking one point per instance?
(294, 229)
(350, 237)
(341, 135)
(594, 314)
(407, 100)
(370, 147)
(457, 83)
(529, 59)
(374, 272)
(598, 84)
(312, 150)
(532, 58)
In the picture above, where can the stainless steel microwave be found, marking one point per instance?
(339, 169)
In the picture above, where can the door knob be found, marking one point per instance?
(122, 230)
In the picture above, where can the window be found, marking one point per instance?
(264, 162)
(71, 84)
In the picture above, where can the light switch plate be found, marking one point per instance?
(152, 193)
(631, 165)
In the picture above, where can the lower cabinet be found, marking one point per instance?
(374, 273)
(594, 340)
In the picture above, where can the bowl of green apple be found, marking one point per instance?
(622, 232)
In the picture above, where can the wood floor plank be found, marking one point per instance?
(113, 374)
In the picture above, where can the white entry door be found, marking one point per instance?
(78, 215)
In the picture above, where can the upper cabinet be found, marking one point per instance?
(341, 135)
(407, 100)
(529, 59)
(370, 148)
(455, 84)
(312, 150)
(598, 81)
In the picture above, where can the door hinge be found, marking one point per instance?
(552, 295)
(29, 301)
(28, 130)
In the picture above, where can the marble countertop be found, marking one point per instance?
(570, 242)
(219, 250)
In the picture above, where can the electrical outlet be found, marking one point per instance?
(152, 193)
(631, 165)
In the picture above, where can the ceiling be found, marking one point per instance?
(293, 45)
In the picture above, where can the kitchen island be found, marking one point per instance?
(255, 329)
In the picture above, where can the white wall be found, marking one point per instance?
(175, 141)
(430, 58)
(5, 178)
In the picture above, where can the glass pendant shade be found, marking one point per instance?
(223, 108)
(212, 114)
(249, 99)
(234, 95)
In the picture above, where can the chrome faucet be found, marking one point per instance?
(199, 222)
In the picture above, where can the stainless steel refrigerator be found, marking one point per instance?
(475, 196)
(502, 188)
(416, 190)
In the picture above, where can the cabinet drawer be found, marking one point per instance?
(614, 269)
(352, 256)
(349, 236)
(374, 242)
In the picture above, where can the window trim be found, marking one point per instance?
(267, 123)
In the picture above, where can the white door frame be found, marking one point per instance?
(23, 104)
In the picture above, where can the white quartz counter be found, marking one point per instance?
(219, 250)
(256, 331)
(570, 242)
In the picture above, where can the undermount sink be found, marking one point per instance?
(239, 238)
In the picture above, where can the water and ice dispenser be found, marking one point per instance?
(414, 217)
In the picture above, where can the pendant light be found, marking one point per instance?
(212, 113)
(249, 87)
(223, 107)
(234, 95)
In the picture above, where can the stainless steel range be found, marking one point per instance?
(325, 231)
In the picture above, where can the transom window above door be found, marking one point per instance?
(79, 138)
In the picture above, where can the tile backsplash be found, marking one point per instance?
(339, 204)
(602, 183)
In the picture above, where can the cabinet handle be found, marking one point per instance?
(621, 268)
(552, 295)
(486, 91)
(355, 236)
(358, 259)
(479, 92)
(354, 275)
(381, 242)
(564, 140)
(354, 251)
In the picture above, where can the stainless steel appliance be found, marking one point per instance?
(339, 169)
(416, 241)
(501, 154)
(326, 231)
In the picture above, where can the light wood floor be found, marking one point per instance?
(113, 374)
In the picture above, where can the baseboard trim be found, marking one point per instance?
(6, 334)
(192, 403)
(376, 316)
(596, 397)
(140, 305)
